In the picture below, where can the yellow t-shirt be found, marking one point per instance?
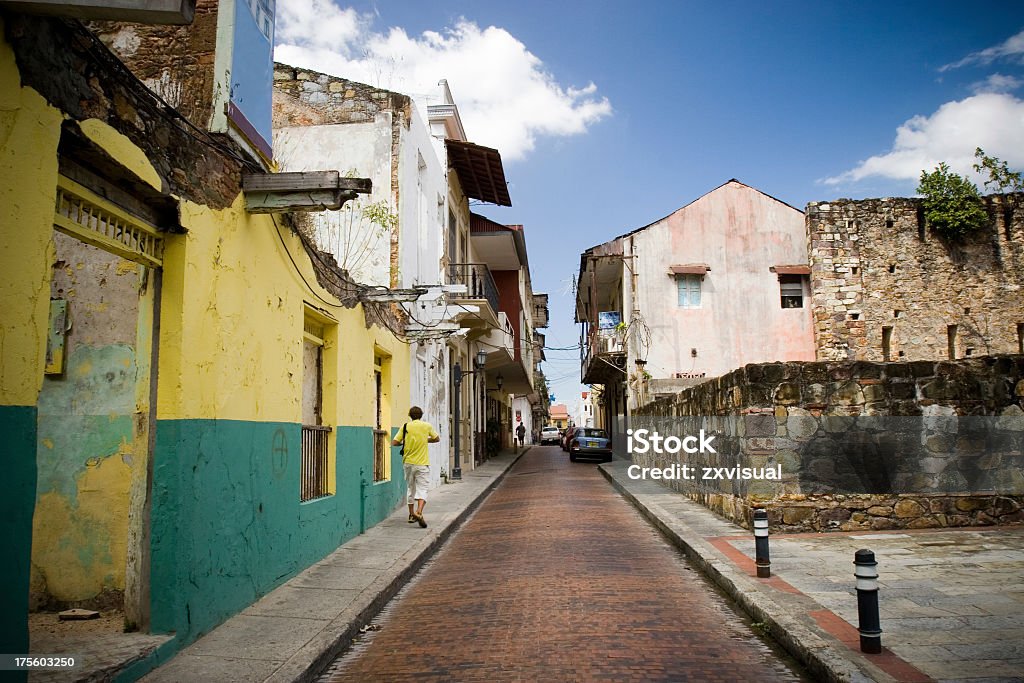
(416, 434)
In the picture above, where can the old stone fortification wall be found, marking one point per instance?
(861, 445)
(884, 284)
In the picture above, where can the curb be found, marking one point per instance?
(314, 657)
(820, 657)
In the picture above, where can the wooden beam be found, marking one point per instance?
(284, 202)
(304, 181)
(290, 182)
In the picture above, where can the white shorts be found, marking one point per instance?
(417, 479)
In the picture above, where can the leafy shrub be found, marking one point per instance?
(952, 205)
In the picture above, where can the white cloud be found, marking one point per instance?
(1011, 47)
(992, 121)
(997, 83)
(506, 97)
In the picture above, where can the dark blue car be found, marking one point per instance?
(590, 442)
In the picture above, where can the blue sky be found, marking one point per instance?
(611, 115)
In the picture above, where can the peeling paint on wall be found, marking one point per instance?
(91, 431)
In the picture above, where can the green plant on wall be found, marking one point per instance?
(1000, 177)
(952, 205)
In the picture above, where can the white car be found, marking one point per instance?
(549, 435)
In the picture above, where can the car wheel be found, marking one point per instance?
(572, 458)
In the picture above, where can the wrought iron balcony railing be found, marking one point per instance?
(478, 281)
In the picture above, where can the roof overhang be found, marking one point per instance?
(689, 269)
(791, 270)
(480, 172)
(501, 247)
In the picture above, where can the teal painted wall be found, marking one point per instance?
(227, 524)
(18, 427)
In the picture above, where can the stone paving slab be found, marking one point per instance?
(294, 631)
(950, 599)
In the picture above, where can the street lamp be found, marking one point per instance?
(478, 362)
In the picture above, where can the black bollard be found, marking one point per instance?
(761, 557)
(866, 572)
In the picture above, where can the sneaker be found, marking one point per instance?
(412, 518)
(422, 522)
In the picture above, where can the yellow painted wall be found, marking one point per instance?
(29, 132)
(230, 278)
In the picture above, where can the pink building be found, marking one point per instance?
(715, 285)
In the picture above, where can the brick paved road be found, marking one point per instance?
(556, 578)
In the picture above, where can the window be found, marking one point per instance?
(688, 287)
(791, 288)
(315, 467)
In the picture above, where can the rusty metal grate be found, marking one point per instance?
(315, 464)
(85, 215)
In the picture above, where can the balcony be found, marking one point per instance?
(603, 355)
(478, 305)
(500, 342)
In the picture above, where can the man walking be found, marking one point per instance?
(521, 434)
(414, 437)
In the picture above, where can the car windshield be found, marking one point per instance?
(596, 433)
(551, 429)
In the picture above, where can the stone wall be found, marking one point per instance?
(75, 73)
(860, 445)
(306, 98)
(884, 286)
(175, 62)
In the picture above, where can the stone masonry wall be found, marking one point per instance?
(67, 65)
(883, 281)
(303, 98)
(861, 445)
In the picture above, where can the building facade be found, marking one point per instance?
(178, 361)
(715, 285)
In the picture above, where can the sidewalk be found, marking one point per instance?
(951, 600)
(297, 629)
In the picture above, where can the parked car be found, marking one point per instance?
(549, 435)
(589, 442)
(567, 437)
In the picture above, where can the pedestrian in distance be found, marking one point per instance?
(521, 435)
(413, 438)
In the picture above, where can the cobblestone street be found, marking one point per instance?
(557, 578)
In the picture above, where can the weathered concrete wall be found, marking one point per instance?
(93, 433)
(29, 135)
(740, 233)
(875, 266)
(860, 445)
